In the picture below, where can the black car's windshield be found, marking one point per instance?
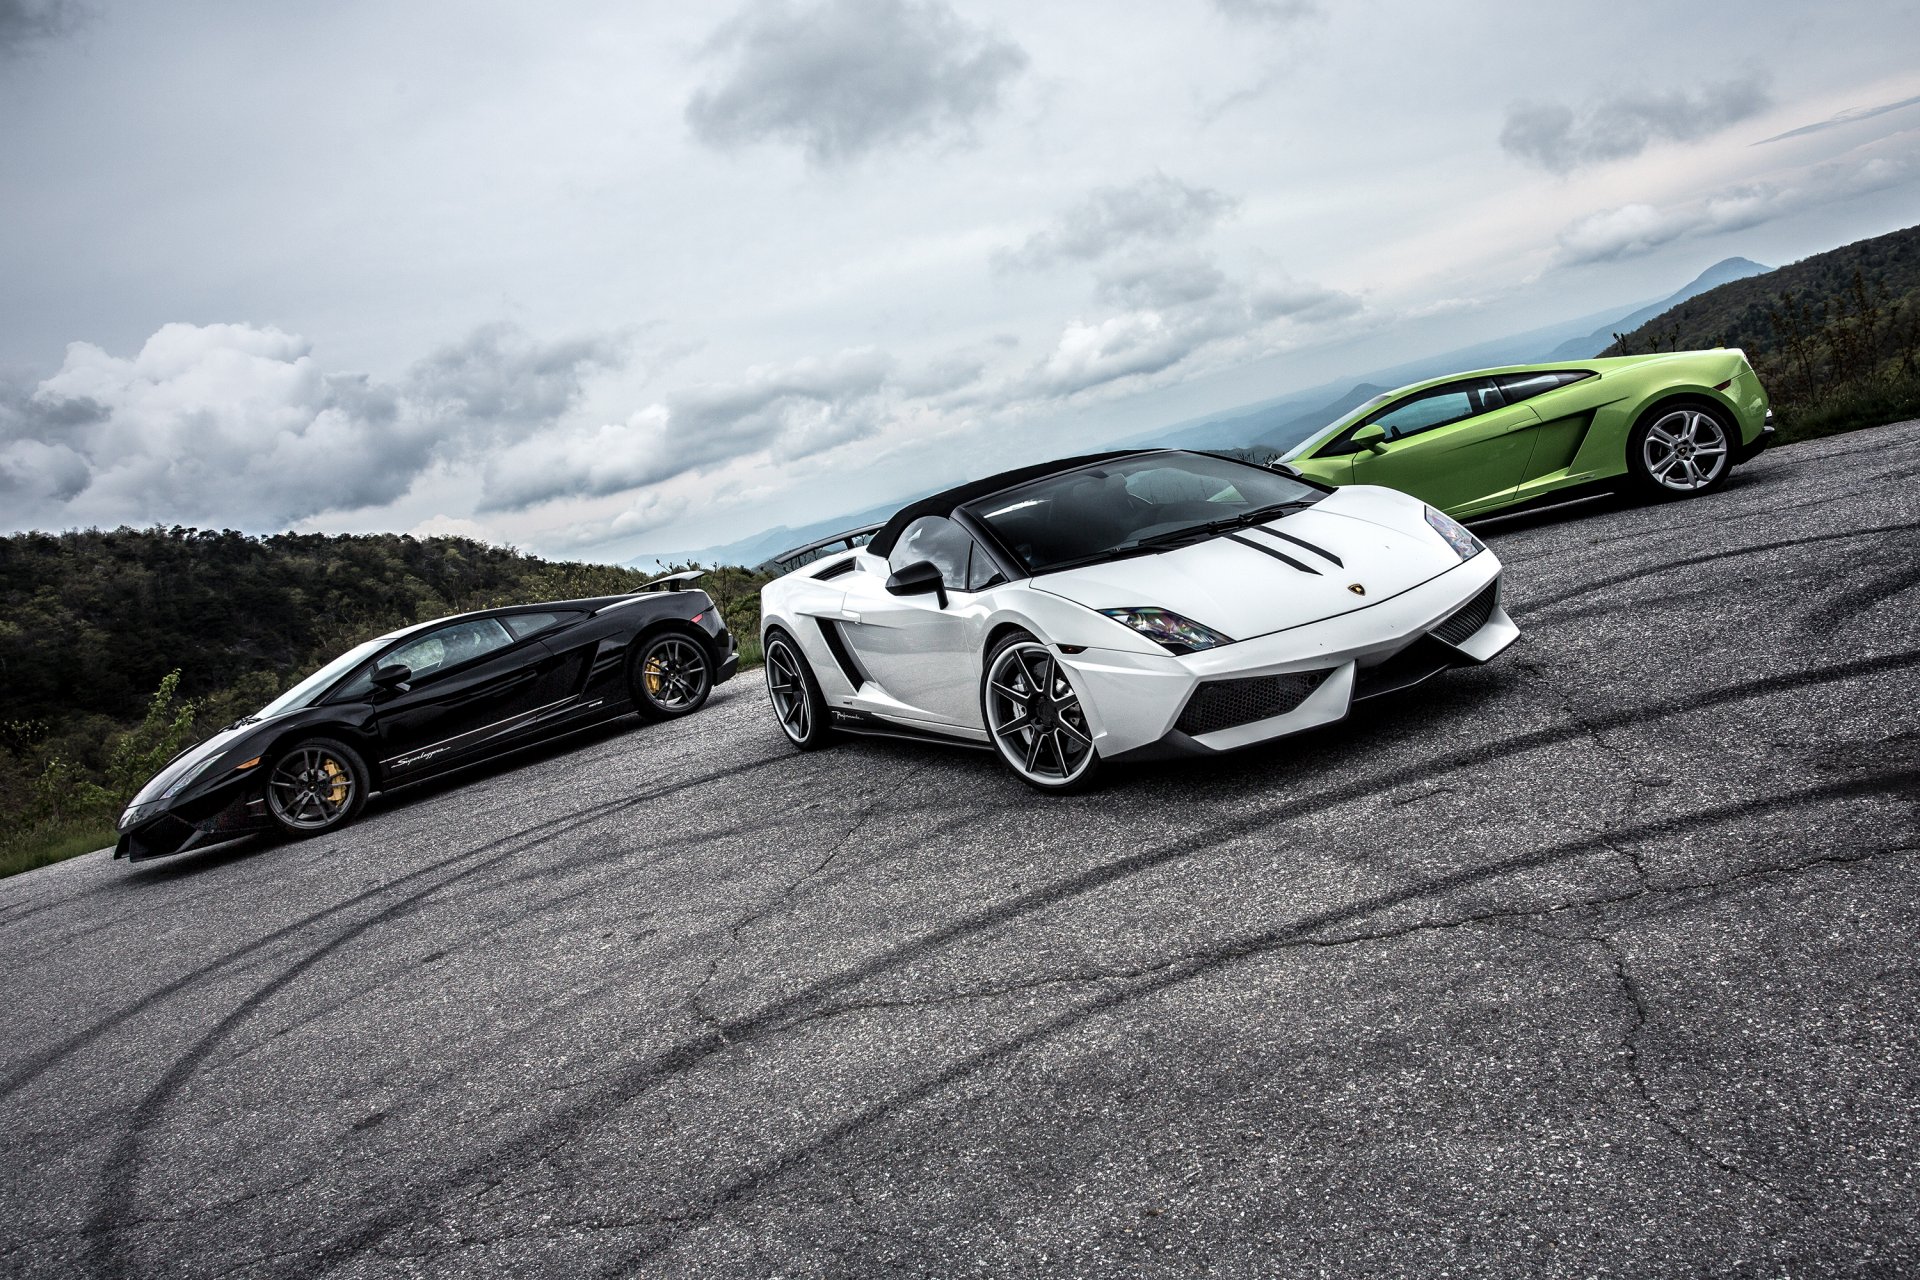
(310, 688)
(1134, 504)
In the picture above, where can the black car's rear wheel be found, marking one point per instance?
(795, 694)
(1034, 717)
(672, 676)
(315, 786)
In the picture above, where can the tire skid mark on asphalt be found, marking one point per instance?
(24, 1073)
(445, 947)
(804, 1005)
(117, 1192)
(1757, 548)
(1849, 602)
(1309, 932)
(659, 852)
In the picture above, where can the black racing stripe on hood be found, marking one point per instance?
(1277, 555)
(1299, 542)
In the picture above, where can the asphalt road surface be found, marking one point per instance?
(1601, 960)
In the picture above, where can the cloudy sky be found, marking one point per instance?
(595, 278)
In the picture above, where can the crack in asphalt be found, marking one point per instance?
(1640, 1017)
(697, 999)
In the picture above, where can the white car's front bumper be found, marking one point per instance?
(1144, 705)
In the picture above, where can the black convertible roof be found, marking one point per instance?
(943, 503)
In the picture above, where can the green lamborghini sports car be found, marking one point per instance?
(1665, 426)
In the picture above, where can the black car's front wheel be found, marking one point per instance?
(795, 694)
(315, 786)
(1034, 717)
(672, 676)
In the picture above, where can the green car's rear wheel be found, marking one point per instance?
(1680, 449)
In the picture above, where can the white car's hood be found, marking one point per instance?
(1380, 536)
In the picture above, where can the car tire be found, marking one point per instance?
(669, 675)
(1034, 719)
(315, 786)
(1666, 447)
(797, 701)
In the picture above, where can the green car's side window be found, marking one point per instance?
(1525, 386)
(1437, 407)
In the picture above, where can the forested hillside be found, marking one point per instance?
(93, 623)
(1835, 337)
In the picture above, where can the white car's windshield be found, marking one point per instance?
(1134, 504)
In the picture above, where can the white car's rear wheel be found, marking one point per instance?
(1034, 716)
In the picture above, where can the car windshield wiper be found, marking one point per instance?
(1190, 533)
(1222, 525)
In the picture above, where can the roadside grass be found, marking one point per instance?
(1870, 403)
(38, 846)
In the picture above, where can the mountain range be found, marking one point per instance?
(1284, 421)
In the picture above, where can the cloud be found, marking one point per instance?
(1839, 118)
(1273, 11)
(1173, 310)
(24, 21)
(787, 412)
(844, 78)
(1158, 209)
(1159, 283)
(1635, 229)
(237, 425)
(500, 381)
(1555, 138)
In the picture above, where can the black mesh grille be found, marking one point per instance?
(1223, 704)
(1469, 617)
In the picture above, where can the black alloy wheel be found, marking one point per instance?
(672, 676)
(316, 786)
(795, 695)
(1034, 717)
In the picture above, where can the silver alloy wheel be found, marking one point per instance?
(1685, 450)
(1035, 717)
(787, 688)
(311, 789)
(674, 672)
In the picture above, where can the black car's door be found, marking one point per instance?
(473, 690)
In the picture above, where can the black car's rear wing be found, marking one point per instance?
(674, 581)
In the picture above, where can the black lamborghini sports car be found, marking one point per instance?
(429, 698)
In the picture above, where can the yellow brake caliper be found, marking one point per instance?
(336, 780)
(655, 676)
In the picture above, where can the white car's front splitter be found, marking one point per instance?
(1135, 702)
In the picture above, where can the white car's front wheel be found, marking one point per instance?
(1034, 716)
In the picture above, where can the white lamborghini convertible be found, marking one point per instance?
(1127, 605)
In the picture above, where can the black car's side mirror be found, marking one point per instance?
(392, 677)
(917, 579)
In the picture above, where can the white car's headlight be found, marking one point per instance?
(1167, 628)
(1457, 535)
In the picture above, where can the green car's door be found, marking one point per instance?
(1458, 446)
